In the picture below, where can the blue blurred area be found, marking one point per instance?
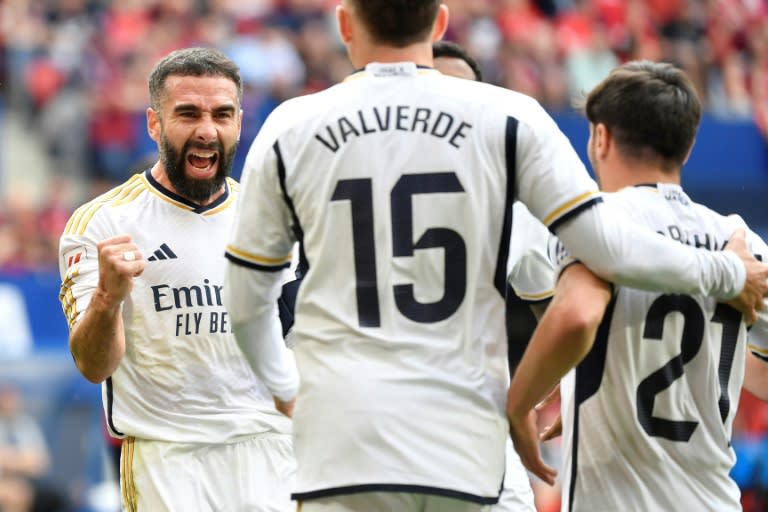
(727, 170)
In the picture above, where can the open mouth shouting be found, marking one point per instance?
(202, 163)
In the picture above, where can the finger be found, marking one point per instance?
(739, 233)
(130, 254)
(739, 236)
(750, 317)
(543, 471)
(115, 240)
(140, 265)
(550, 433)
(549, 400)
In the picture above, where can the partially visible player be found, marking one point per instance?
(142, 272)
(399, 183)
(451, 59)
(648, 411)
(527, 251)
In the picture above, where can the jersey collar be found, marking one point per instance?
(183, 202)
(389, 69)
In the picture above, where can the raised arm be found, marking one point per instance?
(97, 340)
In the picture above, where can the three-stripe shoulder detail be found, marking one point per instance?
(67, 298)
(122, 194)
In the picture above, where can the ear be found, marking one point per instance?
(603, 140)
(344, 20)
(441, 23)
(153, 125)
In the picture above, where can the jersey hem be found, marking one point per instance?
(418, 489)
(255, 266)
(560, 220)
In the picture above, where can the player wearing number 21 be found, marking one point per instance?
(648, 412)
(399, 182)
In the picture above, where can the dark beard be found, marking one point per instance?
(197, 191)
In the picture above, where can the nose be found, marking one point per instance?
(206, 130)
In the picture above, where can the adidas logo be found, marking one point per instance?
(163, 253)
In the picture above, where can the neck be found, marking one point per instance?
(419, 53)
(622, 176)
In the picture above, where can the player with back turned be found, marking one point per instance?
(399, 183)
(649, 409)
(528, 245)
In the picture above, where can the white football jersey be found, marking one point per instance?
(648, 414)
(531, 272)
(183, 378)
(399, 183)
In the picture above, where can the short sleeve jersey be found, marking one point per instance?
(531, 272)
(399, 183)
(648, 414)
(183, 378)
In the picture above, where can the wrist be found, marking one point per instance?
(516, 412)
(105, 301)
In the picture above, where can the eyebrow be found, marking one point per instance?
(189, 107)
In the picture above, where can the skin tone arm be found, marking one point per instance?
(556, 428)
(97, 341)
(564, 336)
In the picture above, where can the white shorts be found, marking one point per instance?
(517, 494)
(389, 502)
(254, 475)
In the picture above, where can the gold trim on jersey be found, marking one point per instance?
(127, 483)
(223, 206)
(761, 351)
(559, 212)
(536, 296)
(234, 190)
(67, 298)
(122, 194)
(164, 197)
(260, 260)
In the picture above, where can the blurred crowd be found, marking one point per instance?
(75, 72)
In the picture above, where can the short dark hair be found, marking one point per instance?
(398, 22)
(192, 62)
(650, 108)
(452, 50)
